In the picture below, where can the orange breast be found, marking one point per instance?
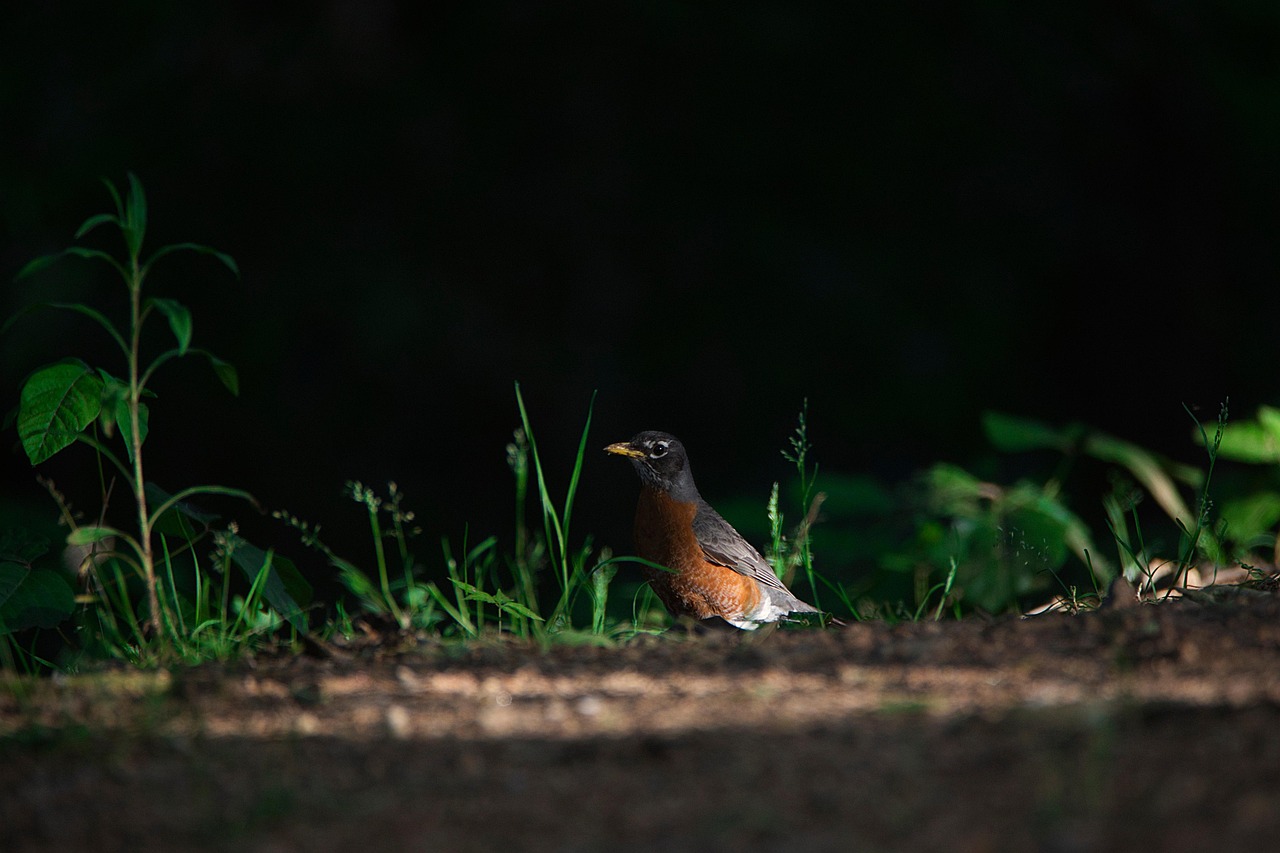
(694, 587)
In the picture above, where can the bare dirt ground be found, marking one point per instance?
(1148, 727)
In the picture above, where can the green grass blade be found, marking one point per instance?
(577, 464)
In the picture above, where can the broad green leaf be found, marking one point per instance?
(1250, 441)
(285, 589)
(38, 599)
(179, 320)
(22, 546)
(1270, 420)
(952, 490)
(58, 402)
(1017, 435)
(11, 577)
(90, 534)
(1045, 526)
(1251, 516)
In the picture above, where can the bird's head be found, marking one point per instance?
(660, 460)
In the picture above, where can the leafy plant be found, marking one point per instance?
(1193, 536)
(791, 553)
(1000, 542)
(71, 402)
(400, 597)
(566, 564)
(1251, 515)
(475, 595)
(799, 553)
(1256, 441)
(31, 596)
(1004, 542)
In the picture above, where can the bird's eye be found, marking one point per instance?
(658, 450)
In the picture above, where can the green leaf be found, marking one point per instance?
(1012, 434)
(198, 248)
(499, 599)
(135, 216)
(94, 221)
(90, 534)
(179, 320)
(92, 314)
(113, 392)
(358, 583)
(1145, 467)
(1252, 516)
(22, 546)
(125, 423)
(115, 197)
(43, 261)
(285, 589)
(33, 598)
(34, 265)
(474, 593)
(1248, 441)
(225, 371)
(1270, 419)
(177, 518)
(11, 577)
(1255, 441)
(58, 402)
(951, 490)
(520, 610)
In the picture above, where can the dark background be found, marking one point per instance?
(908, 213)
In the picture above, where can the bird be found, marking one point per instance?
(712, 572)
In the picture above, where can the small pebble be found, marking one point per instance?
(398, 722)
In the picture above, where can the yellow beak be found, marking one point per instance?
(623, 448)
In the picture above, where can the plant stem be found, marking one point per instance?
(135, 442)
(381, 556)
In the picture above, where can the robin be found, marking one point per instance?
(713, 572)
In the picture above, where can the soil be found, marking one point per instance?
(1148, 726)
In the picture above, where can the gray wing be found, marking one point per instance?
(725, 547)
